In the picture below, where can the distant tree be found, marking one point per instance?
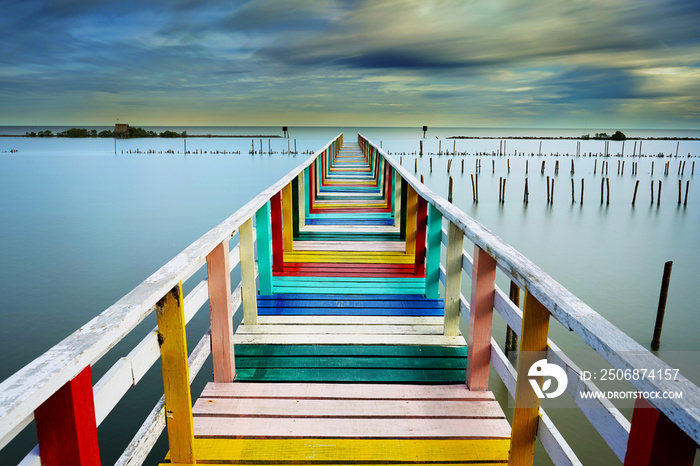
(184, 134)
(136, 132)
(30, 135)
(169, 134)
(45, 133)
(586, 136)
(618, 136)
(105, 134)
(601, 136)
(93, 133)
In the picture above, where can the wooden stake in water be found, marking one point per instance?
(252, 147)
(652, 192)
(449, 165)
(420, 151)
(692, 172)
(431, 164)
(602, 190)
(683, 170)
(552, 199)
(449, 191)
(503, 199)
(661, 310)
(677, 144)
(511, 336)
(440, 147)
(526, 166)
(581, 191)
(493, 165)
(548, 195)
(462, 165)
(680, 188)
(652, 168)
(473, 189)
(540, 152)
(542, 170)
(634, 197)
(261, 151)
(421, 178)
(526, 193)
(500, 189)
(595, 165)
(476, 184)
(573, 200)
(658, 198)
(573, 170)
(295, 146)
(607, 185)
(687, 187)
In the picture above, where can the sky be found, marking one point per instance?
(540, 64)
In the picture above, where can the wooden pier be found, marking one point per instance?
(350, 350)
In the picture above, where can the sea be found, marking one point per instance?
(84, 221)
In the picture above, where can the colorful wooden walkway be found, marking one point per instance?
(347, 360)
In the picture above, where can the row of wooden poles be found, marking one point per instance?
(269, 147)
(604, 190)
(605, 168)
(503, 151)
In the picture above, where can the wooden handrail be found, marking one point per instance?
(616, 347)
(29, 387)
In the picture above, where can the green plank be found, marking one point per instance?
(352, 375)
(351, 362)
(347, 350)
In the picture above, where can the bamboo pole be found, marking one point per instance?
(634, 197)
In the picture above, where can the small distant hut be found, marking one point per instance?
(121, 131)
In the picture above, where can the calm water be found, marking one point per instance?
(80, 227)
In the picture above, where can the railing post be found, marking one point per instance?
(397, 199)
(277, 241)
(411, 220)
(66, 425)
(655, 440)
(432, 261)
(287, 220)
(262, 230)
(421, 233)
(170, 312)
(453, 279)
(480, 319)
(249, 295)
(221, 312)
(526, 413)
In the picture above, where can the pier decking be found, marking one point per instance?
(348, 362)
(350, 349)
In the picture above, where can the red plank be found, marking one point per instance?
(277, 244)
(480, 319)
(655, 440)
(421, 228)
(66, 425)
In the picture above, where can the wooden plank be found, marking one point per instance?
(176, 386)
(444, 428)
(617, 348)
(276, 228)
(248, 291)
(409, 352)
(220, 309)
(480, 319)
(377, 246)
(420, 340)
(359, 409)
(351, 451)
(453, 287)
(264, 242)
(421, 234)
(432, 261)
(411, 220)
(533, 346)
(350, 320)
(340, 329)
(66, 425)
(350, 362)
(287, 221)
(654, 439)
(340, 391)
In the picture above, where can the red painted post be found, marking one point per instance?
(655, 440)
(277, 243)
(480, 319)
(421, 229)
(66, 425)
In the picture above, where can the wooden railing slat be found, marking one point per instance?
(480, 319)
(249, 293)
(176, 379)
(432, 260)
(453, 287)
(220, 312)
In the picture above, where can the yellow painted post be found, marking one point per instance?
(170, 312)
(221, 313)
(287, 225)
(453, 280)
(249, 294)
(411, 219)
(526, 413)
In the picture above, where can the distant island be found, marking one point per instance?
(124, 131)
(616, 136)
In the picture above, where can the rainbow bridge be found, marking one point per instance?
(349, 350)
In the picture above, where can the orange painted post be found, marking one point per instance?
(66, 426)
(526, 413)
(480, 319)
(411, 220)
(221, 313)
(655, 439)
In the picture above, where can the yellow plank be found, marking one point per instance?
(170, 313)
(453, 280)
(349, 451)
(287, 226)
(344, 257)
(249, 293)
(533, 345)
(411, 220)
